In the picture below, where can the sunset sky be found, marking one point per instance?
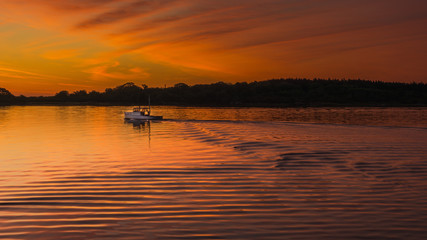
(50, 45)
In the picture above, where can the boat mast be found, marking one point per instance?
(139, 101)
(149, 105)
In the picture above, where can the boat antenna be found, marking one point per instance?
(149, 105)
(139, 100)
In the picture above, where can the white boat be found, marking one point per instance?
(142, 113)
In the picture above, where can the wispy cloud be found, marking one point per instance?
(17, 73)
(125, 11)
(234, 39)
(114, 70)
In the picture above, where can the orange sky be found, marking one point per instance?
(48, 45)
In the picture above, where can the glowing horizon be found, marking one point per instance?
(49, 46)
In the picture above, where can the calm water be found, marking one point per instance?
(84, 173)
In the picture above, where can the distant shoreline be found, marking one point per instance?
(103, 104)
(276, 93)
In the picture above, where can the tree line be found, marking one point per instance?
(270, 93)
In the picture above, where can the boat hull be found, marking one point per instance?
(139, 116)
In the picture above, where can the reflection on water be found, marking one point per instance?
(83, 173)
(409, 117)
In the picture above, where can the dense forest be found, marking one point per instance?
(271, 93)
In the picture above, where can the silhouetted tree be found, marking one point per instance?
(62, 96)
(5, 96)
(180, 85)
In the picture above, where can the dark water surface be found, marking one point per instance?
(84, 173)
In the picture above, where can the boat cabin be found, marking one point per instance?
(142, 111)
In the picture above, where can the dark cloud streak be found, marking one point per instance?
(134, 9)
(236, 35)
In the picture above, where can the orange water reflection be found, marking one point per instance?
(85, 173)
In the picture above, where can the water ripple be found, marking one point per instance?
(213, 180)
